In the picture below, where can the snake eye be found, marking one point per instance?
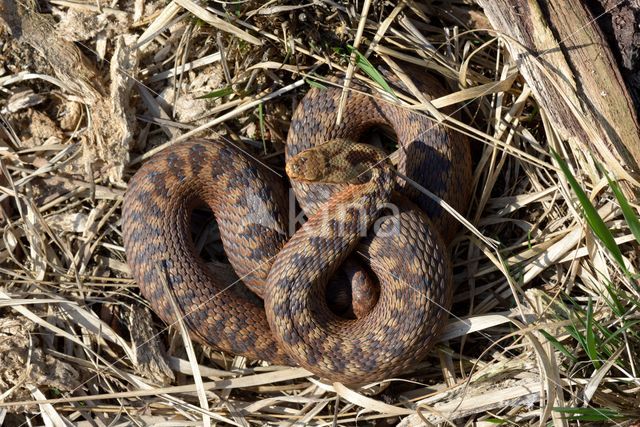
(295, 167)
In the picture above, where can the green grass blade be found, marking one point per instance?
(558, 346)
(591, 214)
(629, 327)
(614, 302)
(496, 421)
(589, 414)
(575, 333)
(590, 347)
(629, 215)
(368, 68)
(218, 93)
(262, 126)
(314, 83)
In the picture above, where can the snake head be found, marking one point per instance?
(337, 161)
(310, 165)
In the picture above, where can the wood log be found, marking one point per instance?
(564, 58)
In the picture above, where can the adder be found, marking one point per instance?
(340, 185)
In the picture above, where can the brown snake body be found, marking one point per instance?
(295, 326)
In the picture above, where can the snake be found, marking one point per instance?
(357, 204)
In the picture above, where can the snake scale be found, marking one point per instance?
(291, 322)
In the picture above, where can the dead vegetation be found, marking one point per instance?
(544, 328)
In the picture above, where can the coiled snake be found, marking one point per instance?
(405, 249)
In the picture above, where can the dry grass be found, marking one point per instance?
(545, 321)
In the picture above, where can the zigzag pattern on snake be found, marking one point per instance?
(295, 325)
